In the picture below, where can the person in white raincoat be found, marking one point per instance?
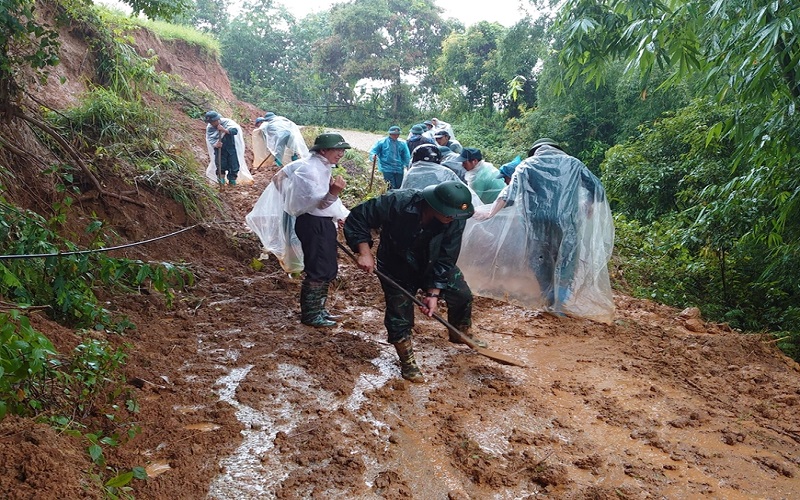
(546, 242)
(279, 138)
(302, 205)
(225, 150)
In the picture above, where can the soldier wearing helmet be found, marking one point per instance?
(419, 245)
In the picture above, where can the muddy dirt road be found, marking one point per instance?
(242, 401)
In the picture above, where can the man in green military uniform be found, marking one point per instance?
(419, 246)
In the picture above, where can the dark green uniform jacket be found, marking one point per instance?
(407, 251)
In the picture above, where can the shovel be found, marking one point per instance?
(499, 357)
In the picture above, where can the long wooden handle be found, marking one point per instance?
(418, 302)
(497, 356)
(372, 177)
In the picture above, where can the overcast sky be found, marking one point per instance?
(469, 12)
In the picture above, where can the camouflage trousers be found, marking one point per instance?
(399, 317)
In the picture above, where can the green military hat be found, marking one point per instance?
(544, 141)
(329, 141)
(451, 198)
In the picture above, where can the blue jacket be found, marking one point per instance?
(393, 155)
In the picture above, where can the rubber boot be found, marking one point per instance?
(465, 330)
(232, 182)
(325, 312)
(312, 298)
(221, 181)
(408, 365)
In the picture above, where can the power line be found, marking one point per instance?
(97, 250)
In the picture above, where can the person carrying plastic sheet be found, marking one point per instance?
(308, 194)
(281, 138)
(426, 171)
(420, 239)
(565, 239)
(226, 150)
(440, 125)
(481, 176)
(393, 157)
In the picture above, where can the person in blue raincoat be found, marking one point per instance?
(547, 239)
(393, 157)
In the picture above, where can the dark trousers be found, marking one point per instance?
(395, 179)
(229, 162)
(399, 317)
(553, 257)
(317, 236)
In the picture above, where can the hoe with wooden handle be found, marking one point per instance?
(499, 357)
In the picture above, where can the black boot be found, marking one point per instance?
(325, 312)
(408, 365)
(312, 299)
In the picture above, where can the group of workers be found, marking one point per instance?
(393, 155)
(434, 221)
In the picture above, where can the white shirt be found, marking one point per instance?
(306, 187)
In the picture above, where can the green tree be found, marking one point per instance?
(745, 50)
(467, 68)
(518, 58)
(380, 40)
(208, 16)
(255, 41)
(160, 9)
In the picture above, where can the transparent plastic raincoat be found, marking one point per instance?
(212, 136)
(424, 173)
(295, 189)
(483, 179)
(549, 247)
(278, 138)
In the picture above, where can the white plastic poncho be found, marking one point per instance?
(549, 248)
(279, 138)
(295, 189)
(424, 173)
(212, 136)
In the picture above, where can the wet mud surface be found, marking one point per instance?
(239, 400)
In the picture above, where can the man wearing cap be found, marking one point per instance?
(440, 125)
(451, 161)
(416, 137)
(481, 176)
(507, 171)
(226, 149)
(443, 138)
(393, 157)
(568, 231)
(312, 196)
(419, 246)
